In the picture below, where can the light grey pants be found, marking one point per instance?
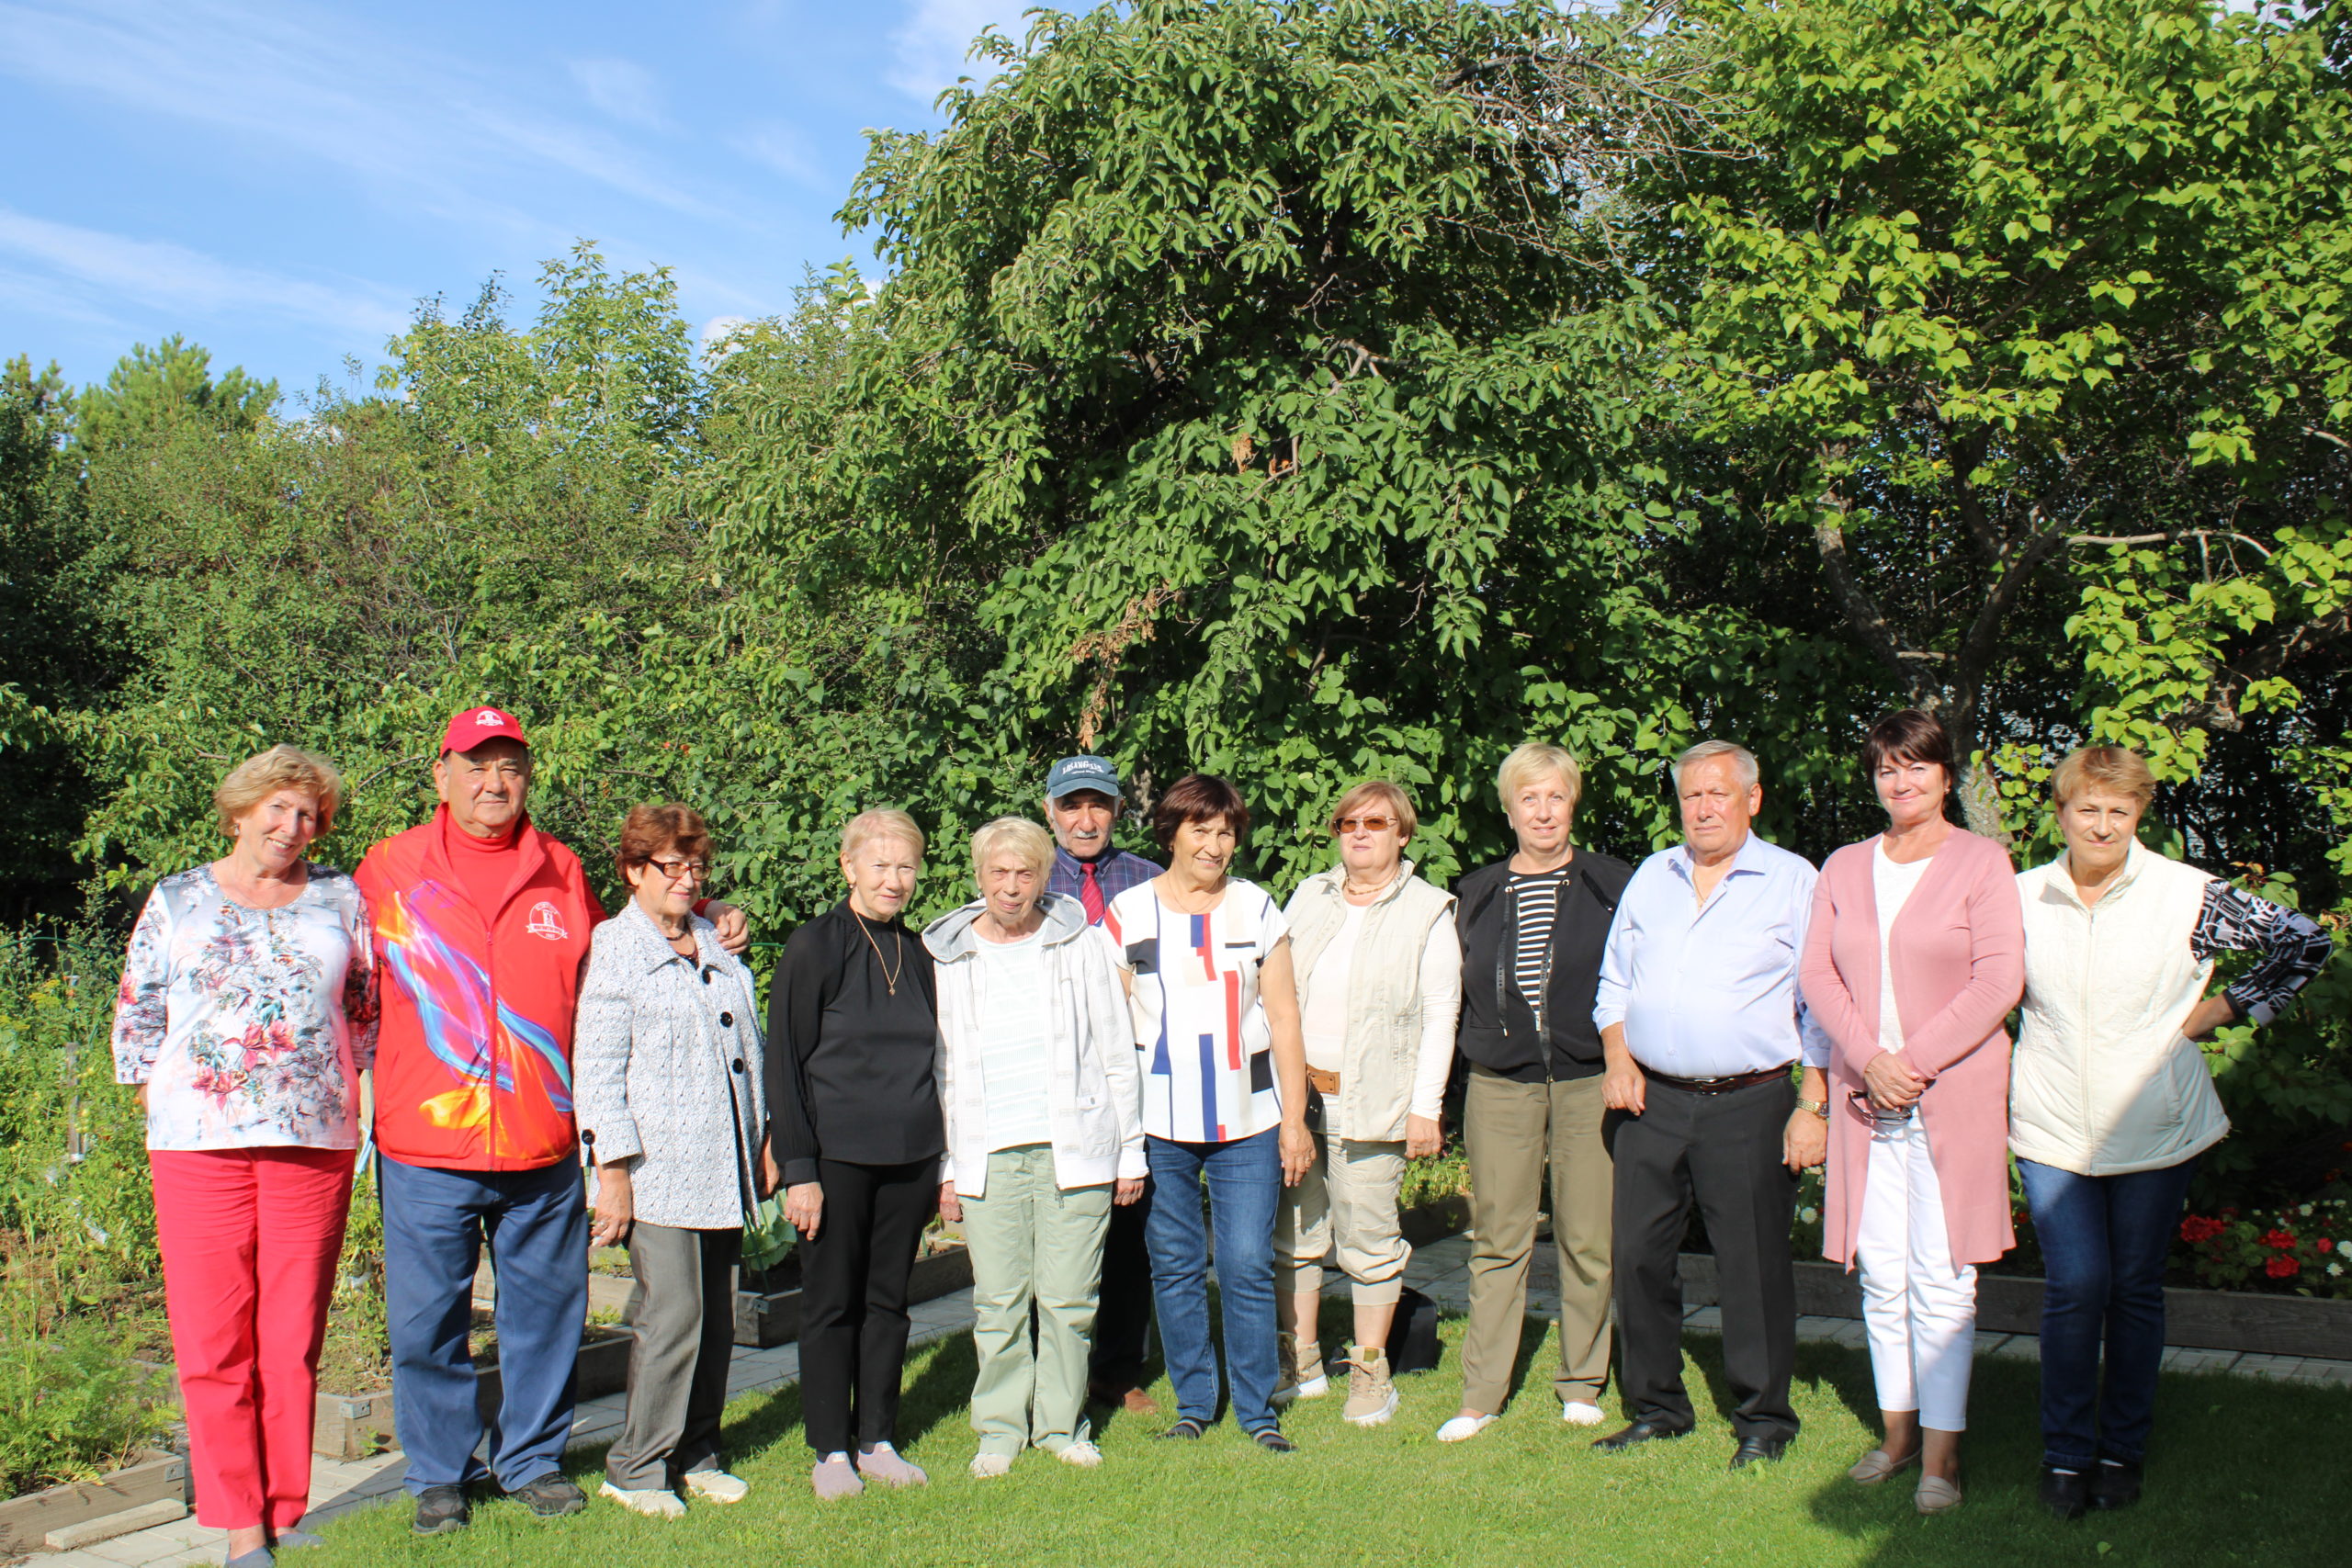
(678, 1370)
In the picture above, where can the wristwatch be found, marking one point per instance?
(1818, 1107)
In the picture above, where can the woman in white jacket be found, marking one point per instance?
(2110, 1103)
(1043, 1098)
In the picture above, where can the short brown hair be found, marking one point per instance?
(1198, 797)
(2116, 768)
(1908, 735)
(258, 777)
(1378, 792)
(650, 830)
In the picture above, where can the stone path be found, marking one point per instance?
(1439, 1269)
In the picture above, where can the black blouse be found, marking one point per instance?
(850, 1064)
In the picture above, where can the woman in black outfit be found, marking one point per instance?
(857, 1135)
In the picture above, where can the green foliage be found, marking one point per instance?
(71, 1406)
(168, 387)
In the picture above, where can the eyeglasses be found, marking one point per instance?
(1364, 824)
(683, 870)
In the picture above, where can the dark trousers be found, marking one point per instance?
(853, 1299)
(436, 1223)
(1123, 1312)
(2104, 1240)
(677, 1368)
(1724, 1152)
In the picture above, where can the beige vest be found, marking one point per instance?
(1384, 1040)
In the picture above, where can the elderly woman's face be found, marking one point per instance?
(274, 833)
(669, 883)
(2099, 826)
(1201, 851)
(1912, 791)
(881, 874)
(1372, 841)
(1010, 887)
(1542, 813)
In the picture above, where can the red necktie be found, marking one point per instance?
(1089, 892)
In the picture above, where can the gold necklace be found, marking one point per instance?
(889, 978)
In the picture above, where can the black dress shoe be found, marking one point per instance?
(1759, 1451)
(2117, 1485)
(1641, 1431)
(551, 1496)
(2066, 1492)
(442, 1510)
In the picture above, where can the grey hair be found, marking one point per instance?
(1743, 762)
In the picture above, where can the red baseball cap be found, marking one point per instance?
(474, 726)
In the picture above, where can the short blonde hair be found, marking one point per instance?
(1378, 792)
(883, 822)
(1532, 762)
(255, 779)
(2117, 769)
(1025, 838)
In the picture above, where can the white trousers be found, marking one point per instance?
(1919, 1311)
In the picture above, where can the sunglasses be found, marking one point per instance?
(1363, 824)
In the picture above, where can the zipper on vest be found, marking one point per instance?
(2083, 1057)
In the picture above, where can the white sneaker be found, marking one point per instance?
(717, 1487)
(1082, 1453)
(654, 1502)
(988, 1467)
(1582, 1413)
(1462, 1428)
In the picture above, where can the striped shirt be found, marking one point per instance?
(1207, 1048)
(1536, 899)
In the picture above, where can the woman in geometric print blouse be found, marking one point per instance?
(2111, 1103)
(246, 1015)
(1206, 962)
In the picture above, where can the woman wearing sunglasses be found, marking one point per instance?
(1380, 987)
(665, 1064)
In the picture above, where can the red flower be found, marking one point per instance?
(2282, 1268)
(2199, 1228)
(2283, 1240)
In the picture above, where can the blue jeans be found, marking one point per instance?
(1245, 1178)
(436, 1223)
(2104, 1239)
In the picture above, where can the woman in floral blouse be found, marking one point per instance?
(246, 1015)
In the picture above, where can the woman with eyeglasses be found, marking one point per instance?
(1534, 928)
(1914, 957)
(667, 1088)
(1379, 973)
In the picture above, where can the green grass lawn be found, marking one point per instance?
(2244, 1471)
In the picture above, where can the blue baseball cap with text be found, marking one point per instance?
(1074, 773)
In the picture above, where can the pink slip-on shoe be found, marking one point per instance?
(834, 1476)
(881, 1462)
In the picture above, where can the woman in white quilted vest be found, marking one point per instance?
(1042, 1098)
(665, 1058)
(2110, 1101)
(1380, 987)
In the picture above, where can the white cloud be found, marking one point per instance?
(929, 47)
(781, 148)
(623, 89)
(85, 267)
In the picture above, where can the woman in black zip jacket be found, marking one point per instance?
(1532, 929)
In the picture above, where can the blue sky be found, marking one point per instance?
(281, 180)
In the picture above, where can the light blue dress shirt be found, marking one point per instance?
(1710, 992)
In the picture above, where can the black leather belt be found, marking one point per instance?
(1719, 1086)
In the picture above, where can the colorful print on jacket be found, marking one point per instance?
(249, 1027)
(473, 1055)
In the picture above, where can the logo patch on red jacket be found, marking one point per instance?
(545, 923)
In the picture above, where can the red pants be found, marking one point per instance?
(250, 1240)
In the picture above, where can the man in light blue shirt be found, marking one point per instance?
(1701, 1023)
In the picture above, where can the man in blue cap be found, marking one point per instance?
(1081, 805)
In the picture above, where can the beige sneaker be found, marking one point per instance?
(717, 1487)
(1372, 1394)
(657, 1502)
(1299, 1377)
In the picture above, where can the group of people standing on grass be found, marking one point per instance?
(1101, 1064)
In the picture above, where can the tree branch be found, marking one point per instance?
(2266, 659)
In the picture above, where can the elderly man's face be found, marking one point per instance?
(1716, 807)
(486, 788)
(1081, 822)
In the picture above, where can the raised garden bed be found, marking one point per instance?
(2011, 1303)
(353, 1426)
(767, 1316)
(152, 1476)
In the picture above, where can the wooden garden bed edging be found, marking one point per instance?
(2011, 1303)
(153, 1475)
(774, 1318)
(351, 1425)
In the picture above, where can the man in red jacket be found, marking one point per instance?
(482, 933)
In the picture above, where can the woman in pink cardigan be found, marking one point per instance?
(1914, 958)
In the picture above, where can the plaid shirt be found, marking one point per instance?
(1118, 871)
